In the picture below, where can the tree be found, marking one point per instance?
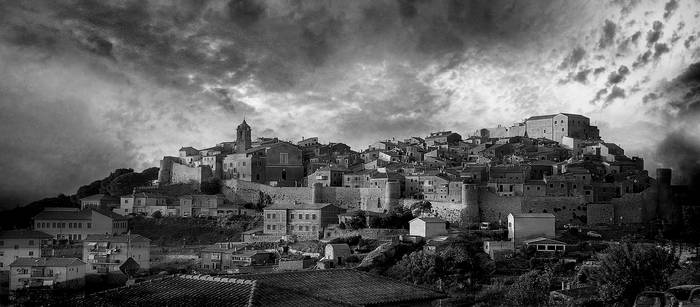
(628, 269)
(686, 275)
(211, 187)
(126, 183)
(418, 267)
(531, 288)
(422, 206)
(157, 214)
(357, 221)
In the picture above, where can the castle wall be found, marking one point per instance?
(181, 173)
(494, 208)
(565, 209)
(634, 208)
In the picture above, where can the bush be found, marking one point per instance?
(531, 288)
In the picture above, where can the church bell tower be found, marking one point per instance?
(243, 137)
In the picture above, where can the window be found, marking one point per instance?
(313, 228)
(268, 215)
(31, 253)
(16, 246)
(268, 227)
(89, 225)
(313, 216)
(300, 217)
(53, 225)
(562, 129)
(274, 216)
(284, 158)
(38, 225)
(31, 242)
(70, 225)
(299, 227)
(307, 216)
(307, 228)
(274, 227)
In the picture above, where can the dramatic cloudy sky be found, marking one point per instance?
(89, 86)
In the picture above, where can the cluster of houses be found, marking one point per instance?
(525, 173)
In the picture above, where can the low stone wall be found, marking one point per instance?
(565, 209)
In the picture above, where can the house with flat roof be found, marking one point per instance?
(22, 243)
(106, 253)
(47, 272)
(525, 226)
(74, 224)
(302, 220)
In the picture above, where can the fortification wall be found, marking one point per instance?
(348, 198)
(565, 209)
(634, 208)
(180, 173)
(494, 208)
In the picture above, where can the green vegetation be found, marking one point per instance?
(174, 231)
(531, 288)
(628, 269)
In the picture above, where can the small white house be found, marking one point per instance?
(427, 227)
(527, 226)
(337, 252)
(546, 245)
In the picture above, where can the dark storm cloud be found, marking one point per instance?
(650, 97)
(573, 58)
(407, 8)
(669, 8)
(615, 93)
(655, 33)
(660, 49)
(619, 75)
(245, 12)
(636, 36)
(608, 35)
(689, 41)
(680, 149)
(598, 70)
(582, 76)
(642, 59)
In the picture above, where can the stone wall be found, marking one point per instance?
(600, 214)
(348, 198)
(565, 209)
(494, 208)
(181, 173)
(635, 208)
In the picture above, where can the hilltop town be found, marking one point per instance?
(491, 210)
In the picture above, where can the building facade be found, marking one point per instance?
(15, 244)
(303, 221)
(105, 253)
(74, 224)
(47, 272)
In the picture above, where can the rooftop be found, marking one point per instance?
(429, 219)
(47, 262)
(98, 197)
(23, 234)
(533, 215)
(542, 240)
(117, 238)
(86, 214)
(297, 206)
(340, 287)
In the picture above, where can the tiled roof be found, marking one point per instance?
(70, 214)
(99, 197)
(47, 262)
(540, 215)
(297, 206)
(348, 286)
(51, 214)
(429, 219)
(542, 240)
(23, 234)
(541, 117)
(343, 287)
(117, 238)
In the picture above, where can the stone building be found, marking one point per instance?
(556, 126)
(105, 253)
(75, 225)
(302, 220)
(47, 272)
(22, 243)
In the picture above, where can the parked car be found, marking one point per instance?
(655, 299)
(572, 226)
(687, 295)
(484, 225)
(594, 234)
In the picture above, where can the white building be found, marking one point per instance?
(527, 226)
(47, 272)
(105, 253)
(15, 244)
(546, 245)
(427, 227)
